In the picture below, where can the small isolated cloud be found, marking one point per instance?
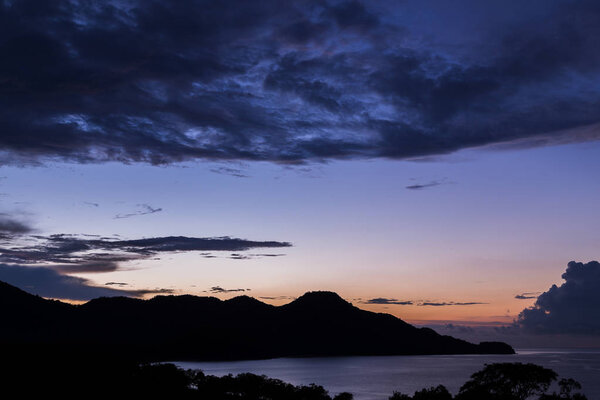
(382, 300)
(117, 284)
(387, 301)
(277, 297)
(145, 209)
(420, 186)
(527, 295)
(573, 307)
(449, 303)
(238, 256)
(219, 289)
(141, 292)
(238, 173)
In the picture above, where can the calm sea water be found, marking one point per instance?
(375, 378)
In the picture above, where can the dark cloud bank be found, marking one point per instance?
(162, 82)
(571, 308)
(561, 317)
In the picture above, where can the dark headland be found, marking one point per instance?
(206, 328)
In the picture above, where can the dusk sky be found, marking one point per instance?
(435, 160)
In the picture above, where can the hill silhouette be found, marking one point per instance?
(206, 328)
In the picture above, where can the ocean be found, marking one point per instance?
(376, 378)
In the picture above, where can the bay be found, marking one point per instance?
(376, 378)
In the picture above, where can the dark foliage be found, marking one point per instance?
(504, 381)
(433, 393)
(566, 388)
(508, 381)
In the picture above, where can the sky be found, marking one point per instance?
(433, 160)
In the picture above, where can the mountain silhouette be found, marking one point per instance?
(206, 328)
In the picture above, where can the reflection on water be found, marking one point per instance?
(375, 378)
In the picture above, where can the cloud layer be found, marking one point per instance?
(81, 254)
(43, 264)
(573, 307)
(161, 82)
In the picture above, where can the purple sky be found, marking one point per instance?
(439, 162)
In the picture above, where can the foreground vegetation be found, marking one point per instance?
(119, 379)
(502, 381)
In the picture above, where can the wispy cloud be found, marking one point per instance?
(382, 300)
(420, 186)
(238, 173)
(145, 209)
(219, 289)
(527, 295)
(420, 303)
(449, 303)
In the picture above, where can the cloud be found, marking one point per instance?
(142, 292)
(88, 267)
(277, 298)
(145, 210)
(219, 289)
(450, 303)
(420, 186)
(238, 173)
(238, 256)
(527, 295)
(10, 226)
(573, 307)
(294, 81)
(381, 300)
(71, 254)
(386, 301)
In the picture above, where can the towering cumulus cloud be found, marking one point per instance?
(289, 81)
(573, 307)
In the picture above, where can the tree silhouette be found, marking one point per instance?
(566, 387)
(434, 393)
(507, 381)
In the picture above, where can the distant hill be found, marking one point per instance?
(206, 328)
